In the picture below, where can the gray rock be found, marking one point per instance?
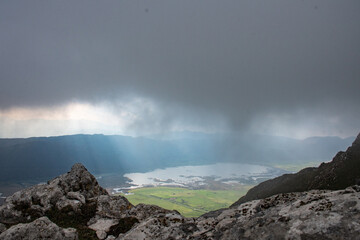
(102, 226)
(70, 190)
(65, 203)
(76, 196)
(41, 228)
(81, 181)
(112, 206)
(162, 226)
(144, 211)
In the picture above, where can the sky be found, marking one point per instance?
(288, 68)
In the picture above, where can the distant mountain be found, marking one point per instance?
(341, 172)
(40, 158)
(47, 157)
(263, 149)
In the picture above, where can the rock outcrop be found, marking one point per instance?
(341, 172)
(69, 192)
(74, 206)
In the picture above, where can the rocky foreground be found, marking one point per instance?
(74, 206)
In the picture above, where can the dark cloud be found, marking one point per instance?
(238, 59)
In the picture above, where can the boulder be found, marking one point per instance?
(41, 228)
(69, 191)
(102, 227)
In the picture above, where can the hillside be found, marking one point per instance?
(341, 172)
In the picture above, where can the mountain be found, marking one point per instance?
(73, 206)
(20, 158)
(341, 172)
(41, 158)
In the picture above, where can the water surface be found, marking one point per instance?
(186, 176)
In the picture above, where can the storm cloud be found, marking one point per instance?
(253, 64)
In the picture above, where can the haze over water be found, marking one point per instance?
(190, 176)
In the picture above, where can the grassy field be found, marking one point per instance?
(190, 203)
(297, 167)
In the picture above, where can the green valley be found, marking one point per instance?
(190, 203)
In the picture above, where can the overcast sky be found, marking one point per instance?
(288, 68)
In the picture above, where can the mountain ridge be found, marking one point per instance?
(123, 154)
(341, 172)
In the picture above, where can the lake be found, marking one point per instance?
(202, 176)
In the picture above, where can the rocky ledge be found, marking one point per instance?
(74, 206)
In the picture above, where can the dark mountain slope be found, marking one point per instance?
(45, 157)
(341, 172)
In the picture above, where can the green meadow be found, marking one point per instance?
(190, 203)
(297, 166)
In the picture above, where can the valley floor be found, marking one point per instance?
(190, 203)
(196, 200)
